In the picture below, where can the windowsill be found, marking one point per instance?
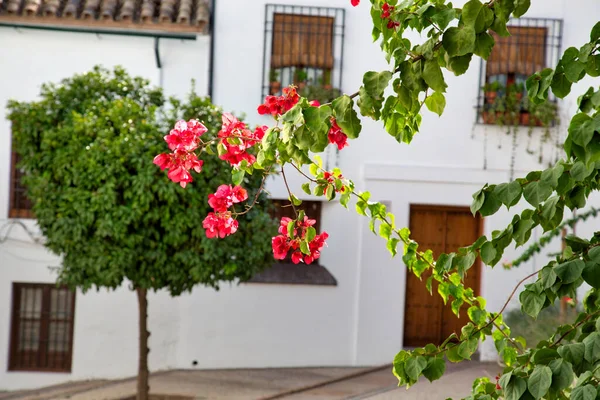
(20, 214)
(295, 274)
(40, 370)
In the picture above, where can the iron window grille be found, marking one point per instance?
(302, 46)
(534, 44)
(19, 203)
(41, 328)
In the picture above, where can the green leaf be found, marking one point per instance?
(477, 315)
(491, 204)
(306, 188)
(536, 192)
(304, 247)
(459, 65)
(459, 41)
(443, 17)
(581, 129)
(444, 262)
(572, 353)
(414, 366)
(595, 33)
(548, 277)
(484, 43)
(545, 356)
(376, 82)
(385, 230)
(432, 74)
(310, 233)
(237, 176)
(470, 11)
(569, 271)
(392, 245)
(346, 117)
(488, 253)
(539, 381)
(573, 71)
(531, 302)
(317, 125)
(562, 374)
(295, 201)
(515, 388)
(592, 347)
(508, 193)
(591, 274)
(436, 103)
(478, 199)
(561, 86)
(521, 7)
(594, 254)
(435, 369)
(579, 171)
(587, 392)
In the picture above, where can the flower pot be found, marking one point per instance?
(519, 96)
(488, 117)
(524, 119)
(274, 87)
(490, 97)
(301, 85)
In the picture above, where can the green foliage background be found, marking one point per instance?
(87, 147)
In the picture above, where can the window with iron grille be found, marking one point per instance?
(20, 205)
(41, 328)
(303, 46)
(534, 44)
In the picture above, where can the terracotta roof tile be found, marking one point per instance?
(159, 15)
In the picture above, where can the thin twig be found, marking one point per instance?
(577, 325)
(511, 340)
(259, 191)
(289, 191)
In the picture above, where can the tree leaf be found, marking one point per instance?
(508, 193)
(587, 392)
(376, 82)
(562, 374)
(581, 129)
(436, 102)
(488, 253)
(539, 381)
(435, 369)
(531, 302)
(432, 74)
(346, 117)
(592, 347)
(521, 7)
(536, 192)
(470, 11)
(414, 366)
(515, 388)
(484, 43)
(459, 41)
(459, 65)
(569, 271)
(572, 353)
(591, 274)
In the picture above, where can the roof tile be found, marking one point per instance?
(159, 15)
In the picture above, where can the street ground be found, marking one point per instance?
(271, 384)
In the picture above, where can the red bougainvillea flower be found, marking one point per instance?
(386, 10)
(185, 136)
(331, 177)
(336, 136)
(219, 224)
(237, 139)
(282, 243)
(498, 387)
(392, 24)
(179, 163)
(315, 103)
(354, 2)
(279, 105)
(226, 196)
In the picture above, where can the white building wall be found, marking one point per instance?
(359, 321)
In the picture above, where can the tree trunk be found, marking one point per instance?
(143, 387)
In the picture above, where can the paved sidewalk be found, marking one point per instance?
(273, 384)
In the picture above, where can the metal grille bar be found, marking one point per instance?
(302, 46)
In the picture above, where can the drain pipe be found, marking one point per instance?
(211, 62)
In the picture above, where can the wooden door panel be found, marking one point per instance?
(422, 322)
(441, 229)
(462, 229)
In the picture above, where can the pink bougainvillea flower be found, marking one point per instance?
(282, 243)
(185, 136)
(219, 224)
(336, 136)
(279, 105)
(315, 103)
(226, 196)
(237, 139)
(354, 2)
(179, 164)
(280, 247)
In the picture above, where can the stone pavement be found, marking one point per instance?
(272, 384)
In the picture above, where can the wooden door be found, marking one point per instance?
(443, 230)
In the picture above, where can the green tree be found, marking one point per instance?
(565, 365)
(87, 148)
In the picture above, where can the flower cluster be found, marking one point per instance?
(183, 139)
(336, 135)
(277, 105)
(354, 2)
(220, 222)
(303, 241)
(386, 13)
(332, 178)
(236, 139)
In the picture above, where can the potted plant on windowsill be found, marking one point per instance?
(274, 83)
(300, 78)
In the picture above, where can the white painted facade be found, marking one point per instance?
(359, 321)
